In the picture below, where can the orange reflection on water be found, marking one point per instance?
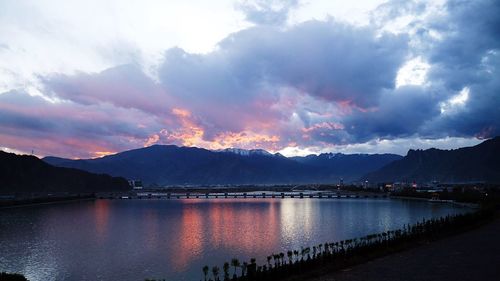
(246, 228)
(101, 212)
(224, 226)
(189, 244)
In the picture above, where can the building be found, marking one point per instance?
(135, 184)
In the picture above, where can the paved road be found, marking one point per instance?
(474, 255)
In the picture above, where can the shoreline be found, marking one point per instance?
(459, 204)
(466, 255)
(49, 202)
(276, 195)
(340, 256)
(411, 260)
(362, 254)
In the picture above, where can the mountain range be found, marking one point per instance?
(161, 165)
(27, 174)
(172, 165)
(480, 163)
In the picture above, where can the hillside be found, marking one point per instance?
(169, 165)
(480, 163)
(348, 166)
(23, 173)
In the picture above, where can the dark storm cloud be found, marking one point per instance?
(400, 114)
(470, 32)
(464, 57)
(480, 115)
(469, 56)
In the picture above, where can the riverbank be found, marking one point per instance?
(470, 255)
(7, 204)
(460, 204)
(328, 258)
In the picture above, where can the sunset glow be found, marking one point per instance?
(316, 77)
(249, 140)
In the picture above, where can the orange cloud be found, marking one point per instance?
(152, 140)
(246, 139)
(182, 113)
(191, 133)
(98, 154)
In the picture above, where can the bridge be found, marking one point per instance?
(243, 195)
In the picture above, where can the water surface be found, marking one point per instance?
(173, 239)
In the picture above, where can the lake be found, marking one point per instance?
(173, 239)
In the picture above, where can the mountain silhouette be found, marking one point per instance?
(24, 173)
(480, 163)
(171, 165)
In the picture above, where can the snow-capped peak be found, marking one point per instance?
(246, 152)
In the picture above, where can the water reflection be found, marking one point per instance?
(218, 225)
(151, 227)
(296, 218)
(173, 239)
(190, 234)
(101, 214)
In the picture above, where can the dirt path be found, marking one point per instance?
(474, 255)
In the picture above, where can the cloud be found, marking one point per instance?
(401, 113)
(326, 60)
(398, 146)
(470, 32)
(315, 84)
(125, 86)
(265, 12)
(70, 129)
(245, 94)
(467, 56)
(459, 44)
(478, 113)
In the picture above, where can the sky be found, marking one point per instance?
(84, 79)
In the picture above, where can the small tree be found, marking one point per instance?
(236, 263)
(244, 267)
(252, 268)
(225, 267)
(276, 258)
(215, 272)
(290, 256)
(205, 271)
